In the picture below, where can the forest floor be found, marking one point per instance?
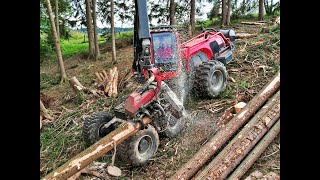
(256, 61)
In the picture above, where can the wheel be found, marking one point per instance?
(195, 61)
(93, 129)
(139, 148)
(211, 79)
(174, 126)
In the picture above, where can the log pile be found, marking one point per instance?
(108, 83)
(189, 169)
(124, 80)
(256, 152)
(221, 166)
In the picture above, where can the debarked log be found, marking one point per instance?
(225, 133)
(256, 152)
(222, 165)
(96, 150)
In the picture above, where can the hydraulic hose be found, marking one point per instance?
(148, 82)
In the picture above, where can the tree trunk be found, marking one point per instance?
(172, 17)
(57, 19)
(229, 12)
(56, 43)
(113, 38)
(192, 16)
(221, 166)
(96, 150)
(256, 152)
(266, 6)
(76, 85)
(260, 10)
(224, 134)
(216, 9)
(271, 6)
(89, 28)
(44, 111)
(96, 44)
(224, 12)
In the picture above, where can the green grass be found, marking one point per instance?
(126, 34)
(207, 23)
(73, 47)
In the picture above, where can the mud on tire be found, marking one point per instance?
(92, 127)
(211, 79)
(139, 148)
(174, 127)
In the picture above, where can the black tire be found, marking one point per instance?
(134, 151)
(211, 79)
(195, 61)
(92, 127)
(174, 127)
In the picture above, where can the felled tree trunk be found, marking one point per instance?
(225, 133)
(245, 35)
(105, 144)
(76, 85)
(253, 23)
(243, 142)
(256, 152)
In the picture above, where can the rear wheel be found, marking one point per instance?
(93, 127)
(211, 79)
(140, 147)
(195, 61)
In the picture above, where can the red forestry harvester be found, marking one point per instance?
(159, 57)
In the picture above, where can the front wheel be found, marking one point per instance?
(93, 127)
(140, 147)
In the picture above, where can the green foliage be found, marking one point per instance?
(75, 35)
(126, 35)
(207, 23)
(227, 93)
(243, 85)
(46, 49)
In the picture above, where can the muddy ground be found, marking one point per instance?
(256, 61)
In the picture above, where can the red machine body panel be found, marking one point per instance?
(201, 43)
(135, 100)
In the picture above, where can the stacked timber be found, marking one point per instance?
(222, 165)
(225, 133)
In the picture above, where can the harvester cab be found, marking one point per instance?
(165, 51)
